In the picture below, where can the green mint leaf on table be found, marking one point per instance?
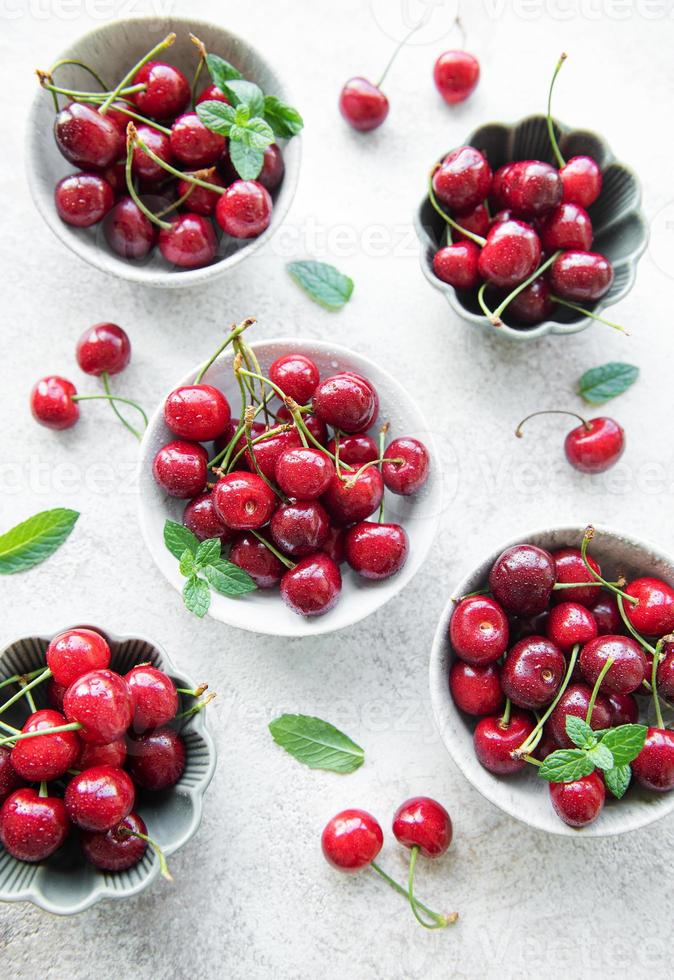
(246, 160)
(600, 384)
(580, 732)
(228, 579)
(601, 757)
(35, 539)
(565, 765)
(617, 780)
(197, 596)
(179, 539)
(283, 119)
(243, 92)
(316, 743)
(625, 742)
(221, 71)
(322, 282)
(207, 552)
(187, 564)
(217, 116)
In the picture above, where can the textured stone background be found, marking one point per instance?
(252, 896)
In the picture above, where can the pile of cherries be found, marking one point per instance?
(180, 171)
(291, 498)
(353, 838)
(514, 648)
(103, 737)
(521, 236)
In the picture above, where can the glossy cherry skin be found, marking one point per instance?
(156, 760)
(354, 500)
(167, 91)
(243, 501)
(99, 798)
(347, 402)
(55, 694)
(424, 823)
(521, 579)
(127, 230)
(570, 623)
(463, 179)
(304, 473)
(111, 754)
(103, 348)
(476, 688)
(101, 703)
(9, 778)
(193, 144)
(313, 586)
(86, 138)
(581, 276)
(376, 551)
(456, 74)
(355, 450)
(654, 766)
(596, 446)
(199, 412)
(51, 403)
(268, 452)
(532, 672)
(567, 226)
(479, 630)
(653, 615)
(575, 701)
(665, 675)
(335, 545)
(75, 652)
(190, 242)
(296, 375)
(628, 672)
(351, 840)
(254, 557)
(244, 210)
(495, 742)
(512, 253)
(153, 697)
(532, 305)
(580, 802)
(299, 527)
(570, 567)
(457, 265)
(45, 756)
(624, 709)
(143, 166)
(200, 518)
(180, 468)
(531, 187)
(581, 181)
(363, 105)
(83, 199)
(607, 615)
(201, 200)
(32, 827)
(273, 167)
(114, 850)
(212, 94)
(410, 475)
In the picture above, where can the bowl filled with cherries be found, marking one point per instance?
(288, 487)
(552, 680)
(531, 228)
(162, 158)
(104, 761)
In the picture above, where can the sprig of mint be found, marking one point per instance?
(323, 283)
(316, 743)
(610, 749)
(35, 539)
(204, 568)
(252, 122)
(599, 384)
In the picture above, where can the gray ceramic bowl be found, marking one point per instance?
(65, 883)
(113, 49)
(525, 796)
(620, 229)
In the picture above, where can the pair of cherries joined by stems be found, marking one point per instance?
(353, 838)
(291, 501)
(102, 351)
(103, 737)
(553, 640)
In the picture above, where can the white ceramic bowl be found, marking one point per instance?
(112, 49)
(525, 796)
(264, 611)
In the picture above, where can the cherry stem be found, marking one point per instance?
(42, 676)
(399, 46)
(523, 285)
(18, 678)
(73, 726)
(132, 134)
(163, 866)
(78, 96)
(192, 693)
(166, 43)
(551, 411)
(166, 225)
(79, 64)
(654, 686)
(105, 378)
(439, 922)
(270, 547)
(196, 708)
(97, 99)
(637, 636)
(505, 717)
(594, 316)
(277, 430)
(561, 162)
(478, 239)
(9, 728)
(235, 332)
(28, 695)
(485, 309)
(531, 741)
(224, 456)
(43, 792)
(112, 398)
(587, 537)
(452, 917)
(595, 690)
(249, 416)
(201, 47)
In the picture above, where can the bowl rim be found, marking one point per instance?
(114, 265)
(547, 326)
(318, 625)
(446, 715)
(199, 723)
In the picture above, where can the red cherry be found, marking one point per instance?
(9, 778)
(299, 528)
(296, 375)
(424, 823)
(607, 615)
(273, 167)
(476, 688)
(347, 402)
(463, 179)
(200, 518)
(567, 226)
(313, 586)
(143, 166)
(55, 694)
(653, 614)
(653, 768)
(98, 798)
(530, 187)
(86, 138)
(111, 754)
(353, 500)
(354, 450)
(363, 105)
(45, 756)
(376, 551)
(101, 703)
(198, 412)
(532, 672)
(456, 74)
(180, 468)
(127, 230)
(478, 630)
(166, 93)
(156, 760)
(153, 697)
(351, 840)
(625, 675)
(665, 675)
(595, 446)
(494, 742)
(457, 265)
(580, 802)
(575, 701)
(114, 850)
(581, 181)
(32, 827)
(244, 210)
(103, 349)
(268, 452)
(410, 475)
(243, 501)
(521, 579)
(254, 557)
(83, 199)
(212, 94)
(201, 200)
(570, 567)
(624, 709)
(190, 242)
(193, 144)
(316, 426)
(75, 652)
(570, 623)
(581, 276)
(532, 305)
(512, 253)
(304, 473)
(51, 402)
(335, 545)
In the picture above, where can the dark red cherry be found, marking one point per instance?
(86, 138)
(153, 697)
(406, 468)
(512, 253)
(101, 703)
(223, 441)
(316, 426)
(478, 630)
(250, 554)
(494, 742)
(300, 527)
(113, 849)
(351, 840)
(304, 473)
(625, 675)
(268, 452)
(212, 94)
(355, 450)
(143, 166)
(111, 754)
(532, 305)
(463, 179)
(363, 105)
(190, 242)
(531, 187)
(75, 652)
(83, 199)
(607, 615)
(575, 701)
(521, 579)
(347, 402)
(580, 802)
(653, 614)
(476, 688)
(457, 265)
(567, 226)
(581, 276)
(45, 756)
(193, 144)
(180, 469)
(570, 623)
(9, 778)
(273, 168)
(296, 375)
(51, 403)
(570, 567)
(128, 231)
(198, 412)
(243, 501)
(497, 194)
(32, 827)
(166, 93)
(201, 200)
(424, 823)
(665, 675)
(595, 446)
(624, 709)
(98, 798)
(532, 672)
(200, 518)
(376, 551)
(103, 348)
(475, 220)
(55, 694)
(313, 586)
(653, 768)
(354, 499)
(581, 181)
(335, 545)
(156, 760)
(456, 74)
(244, 210)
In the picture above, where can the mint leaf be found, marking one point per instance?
(625, 742)
(601, 756)
(221, 71)
(196, 596)
(246, 160)
(283, 119)
(227, 578)
(246, 93)
(316, 743)
(187, 565)
(257, 133)
(600, 384)
(217, 116)
(617, 780)
(35, 539)
(207, 552)
(322, 282)
(179, 539)
(565, 765)
(580, 732)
